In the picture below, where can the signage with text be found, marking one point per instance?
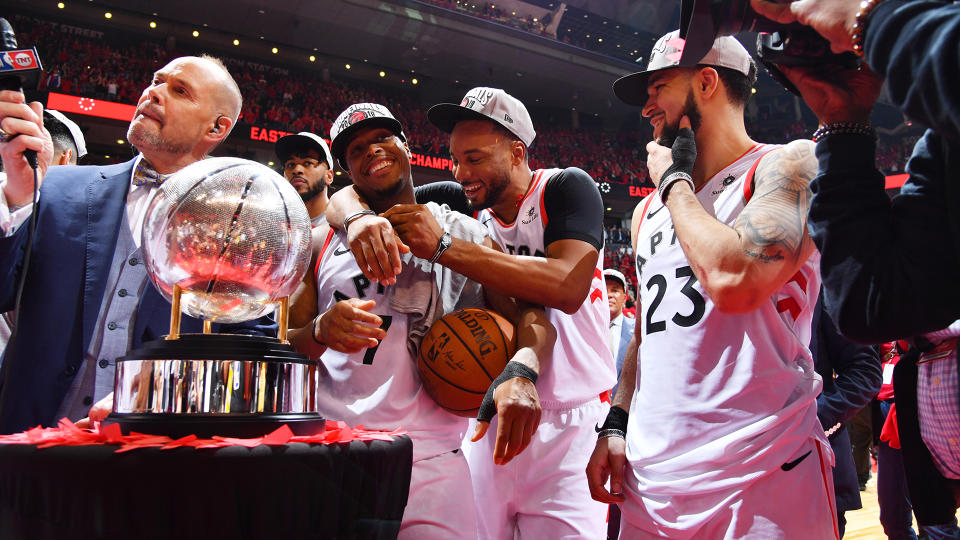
(90, 106)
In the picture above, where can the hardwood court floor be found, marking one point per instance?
(864, 524)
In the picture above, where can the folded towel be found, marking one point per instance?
(429, 291)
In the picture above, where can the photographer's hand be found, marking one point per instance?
(837, 94)
(832, 19)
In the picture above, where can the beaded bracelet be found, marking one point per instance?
(852, 128)
(611, 432)
(833, 430)
(664, 188)
(859, 29)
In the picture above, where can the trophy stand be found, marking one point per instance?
(216, 384)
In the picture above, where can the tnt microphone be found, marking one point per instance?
(19, 69)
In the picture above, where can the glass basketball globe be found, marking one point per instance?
(232, 233)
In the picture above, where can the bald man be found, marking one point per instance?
(87, 299)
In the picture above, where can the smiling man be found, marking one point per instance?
(722, 439)
(308, 166)
(366, 334)
(87, 299)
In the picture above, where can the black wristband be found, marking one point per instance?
(313, 332)
(616, 419)
(513, 369)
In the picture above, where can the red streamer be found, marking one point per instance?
(68, 434)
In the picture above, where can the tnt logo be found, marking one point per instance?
(23, 60)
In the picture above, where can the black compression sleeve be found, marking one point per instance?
(574, 208)
(448, 193)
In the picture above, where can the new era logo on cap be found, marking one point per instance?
(491, 103)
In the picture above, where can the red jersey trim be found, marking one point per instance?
(533, 186)
(644, 212)
(748, 182)
(323, 250)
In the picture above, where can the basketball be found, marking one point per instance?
(462, 354)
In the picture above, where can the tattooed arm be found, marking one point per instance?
(740, 267)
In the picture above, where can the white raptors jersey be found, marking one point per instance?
(378, 387)
(722, 399)
(581, 366)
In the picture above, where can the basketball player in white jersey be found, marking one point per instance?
(550, 224)
(722, 439)
(363, 331)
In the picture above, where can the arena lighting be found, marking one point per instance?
(236, 42)
(120, 141)
(313, 58)
(338, 173)
(108, 15)
(60, 5)
(153, 24)
(270, 163)
(274, 50)
(753, 90)
(382, 74)
(347, 66)
(414, 81)
(196, 33)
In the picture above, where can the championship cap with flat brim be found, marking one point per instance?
(74, 130)
(486, 104)
(726, 52)
(299, 142)
(356, 116)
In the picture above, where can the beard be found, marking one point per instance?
(670, 131)
(142, 138)
(312, 191)
(495, 189)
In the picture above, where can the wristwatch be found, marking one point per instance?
(444, 245)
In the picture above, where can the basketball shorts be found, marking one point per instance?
(783, 505)
(438, 507)
(543, 492)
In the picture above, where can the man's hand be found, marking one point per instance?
(98, 412)
(518, 410)
(416, 227)
(837, 94)
(349, 326)
(23, 125)
(832, 19)
(680, 155)
(376, 247)
(609, 460)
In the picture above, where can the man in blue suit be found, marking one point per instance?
(621, 330)
(621, 326)
(851, 379)
(87, 299)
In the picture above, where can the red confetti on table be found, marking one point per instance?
(68, 434)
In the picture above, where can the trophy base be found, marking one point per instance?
(243, 426)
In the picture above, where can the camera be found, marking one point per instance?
(701, 21)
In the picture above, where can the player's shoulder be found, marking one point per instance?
(795, 161)
(568, 175)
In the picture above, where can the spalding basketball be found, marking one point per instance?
(462, 354)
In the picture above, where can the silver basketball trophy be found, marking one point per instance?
(225, 240)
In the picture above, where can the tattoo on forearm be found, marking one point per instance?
(773, 224)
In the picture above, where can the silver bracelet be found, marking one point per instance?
(665, 184)
(612, 432)
(358, 214)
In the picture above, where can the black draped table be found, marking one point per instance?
(289, 491)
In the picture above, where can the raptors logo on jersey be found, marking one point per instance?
(582, 364)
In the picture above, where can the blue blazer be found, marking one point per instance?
(78, 222)
(626, 333)
(857, 382)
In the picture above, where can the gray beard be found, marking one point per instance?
(143, 140)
